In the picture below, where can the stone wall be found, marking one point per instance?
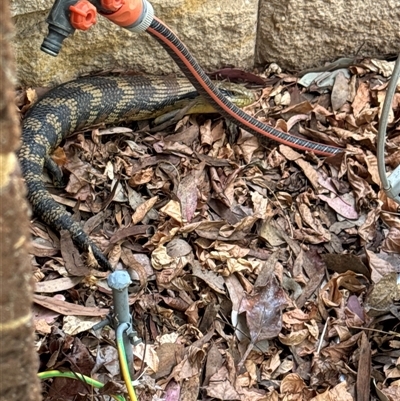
(302, 33)
(296, 34)
(217, 33)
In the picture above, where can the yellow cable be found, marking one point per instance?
(123, 363)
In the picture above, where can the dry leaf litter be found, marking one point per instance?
(260, 273)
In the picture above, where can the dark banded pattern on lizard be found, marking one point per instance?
(83, 103)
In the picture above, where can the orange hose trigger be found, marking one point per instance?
(112, 5)
(83, 15)
(128, 14)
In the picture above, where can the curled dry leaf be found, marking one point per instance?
(330, 294)
(143, 177)
(360, 186)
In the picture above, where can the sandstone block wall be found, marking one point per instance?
(296, 34)
(302, 33)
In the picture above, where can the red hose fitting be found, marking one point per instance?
(128, 14)
(83, 15)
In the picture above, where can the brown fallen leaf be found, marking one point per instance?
(187, 195)
(392, 393)
(392, 241)
(364, 370)
(292, 385)
(205, 133)
(361, 187)
(315, 270)
(140, 178)
(215, 281)
(372, 165)
(126, 232)
(214, 363)
(73, 259)
(57, 285)
(309, 219)
(340, 206)
(190, 389)
(67, 308)
(173, 209)
(362, 98)
(367, 231)
(299, 108)
(221, 388)
(143, 209)
(263, 310)
(135, 269)
(340, 91)
(379, 267)
(73, 325)
(330, 294)
(42, 327)
(43, 248)
(79, 177)
(307, 168)
(340, 393)
(343, 263)
(172, 391)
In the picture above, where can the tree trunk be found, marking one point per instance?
(18, 359)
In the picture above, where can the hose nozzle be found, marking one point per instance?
(134, 15)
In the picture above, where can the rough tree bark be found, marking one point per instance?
(18, 359)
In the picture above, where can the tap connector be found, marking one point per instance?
(66, 16)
